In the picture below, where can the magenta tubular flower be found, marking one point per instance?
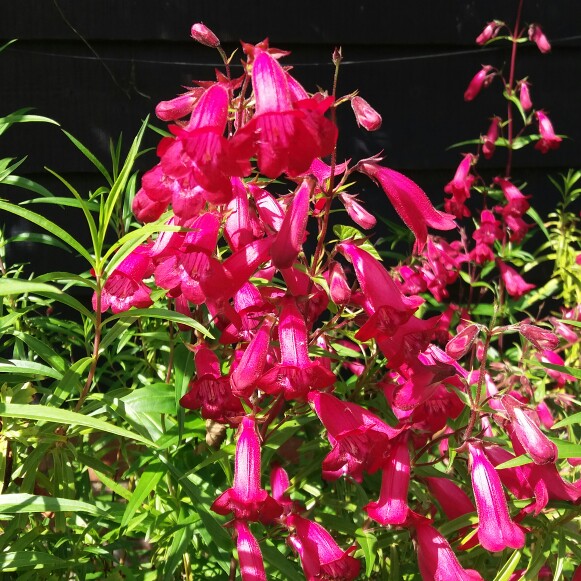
(410, 202)
(296, 374)
(496, 530)
(202, 34)
(453, 500)
(284, 135)
(289, 241)
(246, 499)
(526, 429)
(321, 556)
(124, 288)
(515, 285)
(459, 345)
(489, 144)
(537, 36)
(239, 227)
(490, 31)
(436, 560)
(178, 107)
(459, 187)
(249, 554)
(392, 506)
(279, 484)
(524, 96)
(210, 391)
(548, 138)
(365, 115)
(481, 79)
(539, 337)
(359, 438)
(357, 212)
(338, 286)
(244, 378)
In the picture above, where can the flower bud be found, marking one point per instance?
(489, 144)
(365, 115)
(458, 346)
(481, 79)
(537, 36)
(540, 338)
(489, 32)
(202, 34)
(525, 96)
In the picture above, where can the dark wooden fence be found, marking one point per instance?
(99, 67)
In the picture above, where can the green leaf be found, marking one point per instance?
(17, 560)
(157, 398)
(509, 566)
(572, 419)
(59, 416)
(161, 314)
(47, 225)
(26, 184)
(514, 462)
(567, 449)
(90, 157)
(563, 369)
(24, 503)
(15, 286)
(350, 233)
(279, 562)
(148, 480)
(44, 351)
(19, 367)
(368, 543)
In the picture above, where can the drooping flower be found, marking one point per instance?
(436, 560)
(548, 138)
(289, 240)
(359, 438)
(179, 106)
(286, 136)
(489, 143)
(246, 499)
(365, 115)
(296, 374)
(539, 337)
(249, 554)
(392, 508)
(321, 556)
(357, 212)
(537, 36)
(459, 187)
(490, 31)
(496, 530)
(481, 79)
(409, 201)
(525, 426)
(514, 283)
(124, 287)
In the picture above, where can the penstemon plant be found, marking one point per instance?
(267, 394)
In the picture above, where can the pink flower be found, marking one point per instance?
(289, 240)
(296, 374)
(537, 36)
(409, 200)
(357, 212)
(481, 79)
(489, 144)
(489, 32)
(321, 556)
(249, 555)
(337, 281)
(246, 499)
(548, 138)
(124, 287)
(459, 345)
(210, 391)
(202, 34)
(496, 530)
(436, 560)
(539, 337)
(286, 136)
(179, 106)
(359, 438)
(392, 506)
(365, 115)
(459, 187)
(525, 96)
(514, 283)
(525, 425)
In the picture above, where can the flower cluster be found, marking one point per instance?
(234, 254)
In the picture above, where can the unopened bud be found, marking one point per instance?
(540, 338)
(524, 96)
(337, 55)
(537, 36)
(489, 32)
(202, 34)
(458, 346)
(365, 115)
(481, 79)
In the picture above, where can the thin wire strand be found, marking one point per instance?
(420, 57)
